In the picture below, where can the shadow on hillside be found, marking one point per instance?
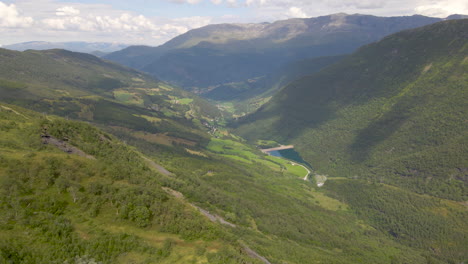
(292, 116)
(378, 131)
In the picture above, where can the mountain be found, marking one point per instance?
(82, 86)
(149, 176)
(247, 96)
(392, 112)
(95, 48)
(228, 53)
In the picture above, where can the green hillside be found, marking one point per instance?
(97, 202)
(81, 86)
(247, 96)
(393, 112)
(91, 197)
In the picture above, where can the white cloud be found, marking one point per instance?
(11, 18)
(232, 3)
(296, 12)
(124, 22)
(358, 4)
(192, 2)
(256, 2)
(67, 11)
(443, 8)
(193, 22)
(216, 2)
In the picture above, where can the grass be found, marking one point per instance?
(294, 169)
(241, 152)
(151, 119)
(185, 101)
(128, 97)
(182, 251)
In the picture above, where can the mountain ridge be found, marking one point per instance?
(96, 48)
(219, 54)
(367, 114)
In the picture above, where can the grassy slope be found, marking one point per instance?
(84, 87)
(65, 208)
(393, 112)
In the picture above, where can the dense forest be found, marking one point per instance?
(392, 112)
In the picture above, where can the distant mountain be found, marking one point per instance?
(395, 112)
(95, 48)
(218, 54)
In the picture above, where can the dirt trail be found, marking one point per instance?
(213, 217)
(254, 254)
(216, 219)
(308, 171)
(14, 111)
(156, 166)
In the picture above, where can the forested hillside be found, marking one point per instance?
(393, 112)
(72, 193)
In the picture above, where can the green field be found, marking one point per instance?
(241, 152)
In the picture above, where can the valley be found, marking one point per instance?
(105, 163)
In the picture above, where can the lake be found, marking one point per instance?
(289, 154)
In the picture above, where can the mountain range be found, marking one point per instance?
(96, 48)
(204, 59)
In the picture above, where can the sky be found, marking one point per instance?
(153, 22)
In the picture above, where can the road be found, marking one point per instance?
(277, 148)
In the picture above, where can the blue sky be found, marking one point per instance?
(154, 22)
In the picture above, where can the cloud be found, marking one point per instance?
(193, 22)
(296, 12)
(232, 3)
(255, 2)
(443, 8)
(216, 2)
(67, 11)
(192, 2)
(358, 4)
(11, 18)
(124, 22)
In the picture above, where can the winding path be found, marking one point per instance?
(308, 172)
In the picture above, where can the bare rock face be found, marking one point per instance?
(63, 145)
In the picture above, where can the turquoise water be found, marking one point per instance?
(289, 154)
